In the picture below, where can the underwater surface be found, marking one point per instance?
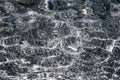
(59, 39)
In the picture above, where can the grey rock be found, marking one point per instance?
(26, 2)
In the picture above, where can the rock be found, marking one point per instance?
(9, 7)
(23, 70)
(32, 76)
(50, 62)
(64, 60)
(2, 57)
(99, 8)
(115, 1)
(26, 2)
(108, 69)
(11, 68)
(50, 5)
(100, 43)
(118, 72)
(57, 5)
(116, 53)
(108, 75)
(100, 53)
(114, 9)
(67, 39)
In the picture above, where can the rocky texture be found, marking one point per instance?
(59, 40)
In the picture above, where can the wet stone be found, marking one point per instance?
(118, 72)
(115, 1)
(2, 57)
(116, 53)
(109, 75)
(27, 2)
(22, 70)
(11, 68)
(108, 69)
(64, 60)
(100, 43)
(59, 39)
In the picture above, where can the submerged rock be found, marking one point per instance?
(26, 2)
